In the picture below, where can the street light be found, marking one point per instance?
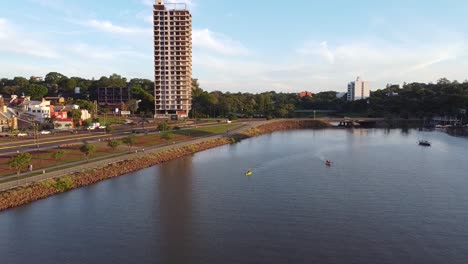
(35, 126)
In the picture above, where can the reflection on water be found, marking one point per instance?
(385, 200)
(175, 190)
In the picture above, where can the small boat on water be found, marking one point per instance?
(328, 163)
(248, 173)
(424, 143)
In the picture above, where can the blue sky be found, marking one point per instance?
(244, 45)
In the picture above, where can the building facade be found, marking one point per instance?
(305, 94)
(8, 117)
(37, 111)
(358, 90)
(112, 97)
(172, 60)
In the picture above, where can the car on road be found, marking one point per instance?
(102, 127)
(45, 132)
(91, 128)
(22, 134)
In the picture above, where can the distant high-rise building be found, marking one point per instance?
(305, 94)
(358, 90)
(172, 60)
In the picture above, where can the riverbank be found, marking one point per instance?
(38, 190)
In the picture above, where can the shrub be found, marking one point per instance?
(167, 136)
(163, 127)
(49, 183)
(58, 155)
(64, 183)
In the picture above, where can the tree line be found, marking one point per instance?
(412, 100)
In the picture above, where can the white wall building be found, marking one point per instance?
(358, 90)
(40, 110)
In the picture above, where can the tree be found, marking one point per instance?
(58, 155)
(19, 161)
(67, 85)
(129, 141)
(109, 128)
(76, 115)
(163, 126)
(84, 104)
(87, 149)
(36, 91)
(54, 78)
(113, 144)
(21, 82)
(167, 136)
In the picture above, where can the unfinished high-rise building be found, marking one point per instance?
(172, 60)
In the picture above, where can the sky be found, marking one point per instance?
(244, 45)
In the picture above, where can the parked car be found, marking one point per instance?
(22, 134)
(102, 127)
(91, 128)
(45, 132)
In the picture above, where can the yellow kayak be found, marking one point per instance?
(248, 173)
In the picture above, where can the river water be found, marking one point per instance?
(385, 200)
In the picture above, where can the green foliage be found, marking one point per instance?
(167, 136)
(58, 155)
(53, 78)
(64, 183)
(113, 144)
(129, 141)
(48, 183)
(20, 161)
(109, 128)
(84, 104)
(232, 117)
(20, 82)
(61, 184)
(76, 114)
(87, 149)
(87, 122)
(36, 91)
(163, 126)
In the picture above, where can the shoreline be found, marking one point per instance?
(31, 192)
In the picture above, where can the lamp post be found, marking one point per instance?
(35, 126)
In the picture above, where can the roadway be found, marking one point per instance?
(13, 145)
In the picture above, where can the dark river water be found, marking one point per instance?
(385, 200)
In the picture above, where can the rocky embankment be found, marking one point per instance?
(39, 190)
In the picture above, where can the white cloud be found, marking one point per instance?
(14, 40)
(107, 26)
(209, 40)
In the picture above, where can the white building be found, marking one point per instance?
(358, 90)
(37, 110)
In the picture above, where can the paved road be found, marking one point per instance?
(8, 147)
(56, 171)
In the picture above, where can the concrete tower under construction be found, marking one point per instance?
(172, 60)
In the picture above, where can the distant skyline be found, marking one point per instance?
(244, 45)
